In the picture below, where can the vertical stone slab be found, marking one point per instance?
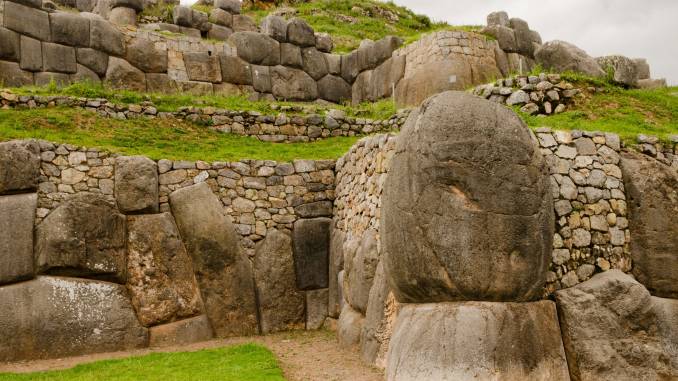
(159, 271)
(136, 184)
(17, 215)
(336, 265)
(281, 305)
(311, 252)
(224, 275)
(316, 308)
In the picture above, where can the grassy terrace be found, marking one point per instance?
(244, 362)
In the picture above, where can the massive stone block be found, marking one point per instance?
(372, 85)
(84, 237)
(243, 23)
(19, 165)
(652, 192)
(69, 29)
(27, 21)
(506, 37)
(624, 69)
(281, 305)
(31, 54)
(311, 239)
(221, 17)
(11, 75)
(84, 74)
(224, 275)
(467, 208)
(218, 32)
(143, 54)
(349, 327)
(314, 63)
(300, 33)
(293, 84)
(261, 78)
(202, 67)
(236, 71)
(10, 46)
(274, 27)
(524, 37)
(16, 236)
(52, 317)
(123, 76)
(160, 83)
(360, 266)
(256, 48)
(613, 329)
(105, 37)
(123, 16)
(136, 184)
(230, 6)
(477, 341)
(95, 60)
(188, 331)
(563, 56)
(159, 271)
(58, 58)
(290, 55)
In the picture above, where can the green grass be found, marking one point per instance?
(161, 10)
(329, 16)
(243, 362)
(624, 112)
(172, 102)
(157, 138)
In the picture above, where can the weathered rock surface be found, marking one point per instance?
(256, 48)
(123, 76)
(300, 33)
(105, 37)
(16, 237)
(159, 271)
(467, 208)
(336, 264)
(652, 192)
(12, 75)
(311, 239)
(188, 331)
(349, 327)
(624, 69)
(477, 341)
(236, 71)
(281, 305)
(84, 237)
(292, 84)
(224, 275)
(143, 54)
(202, 67)
(334, 89)
(53, 317)
(19, 165)
(563, 56)
(613, 329)
(95, 60)
(359, 269)
(136, 184)
(316, 308)
(379, 320)
(69, 29)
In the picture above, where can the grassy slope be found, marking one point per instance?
(244, 362)
(328, 16)
(157, 138)
(624, 112)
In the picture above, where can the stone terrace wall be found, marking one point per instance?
(278, 128)
(258, 195)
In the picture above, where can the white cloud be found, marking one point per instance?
(632, 28)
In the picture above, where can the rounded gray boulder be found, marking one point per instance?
(467, 208)
(563, 56)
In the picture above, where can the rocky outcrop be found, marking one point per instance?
(477, 340)
(652, 191)
(223, 273)
(159, 271)
(562, 56)
(53, 317)
(84, 237)
(613, 329)
(477, 171)
(281, 305)
(16, 237)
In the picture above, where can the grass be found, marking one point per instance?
(157, 138)
(351, 21)
(624, 112)
(172, 102)
(243, 362)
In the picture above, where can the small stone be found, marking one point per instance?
(584, 272)
(561, 256)
(566, 152)
(603, 263)
(581, 238)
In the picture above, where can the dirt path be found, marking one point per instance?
(303, 356)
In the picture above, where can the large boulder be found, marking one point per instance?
(467, 208)
(19, 165)
(53, 317)
(562, 56)
(136, 184)
(188, 331)
(292, 84)
(281, 305)
(123, 16)
(652, 198)
(506, 37)
(230, 6)
(360, 266)
(311, 240)
(95, 60)
(256, 48)
(105, 37)
(477, 341)
(624, 69)
(159, 271)
(16, 236)
(300, 33)
(10, 45)
(143, 54)
(334, 89)
(26, 20)
(349, 327)
(202, 66)
(224, 275)
(12, 75)
(83, 237)
(523, 37)
(58, 58)
(314, 63)
(613, 329)
(123, 76)
(274, 27)
(236, 71)
(69, 29)
(379, 320)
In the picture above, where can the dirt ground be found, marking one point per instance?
(303, 356)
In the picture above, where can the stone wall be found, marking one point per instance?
(295, 127)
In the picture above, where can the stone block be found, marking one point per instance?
(202, 67)
(47, 78)
(58, 58)
(218, 32)
(274, 27)
(106, 38)
(10, 45)
(136, 184)
(349, 327)
(300, 33)
(143, 54)
(360, 266)
(123, 16)
(95, 60)
(123, 76)
(236, 71)
(84, 74)
(316, 308)
(27, 21)
(314, 63)
(242, 23)
(290, 55)
(183, 332)
(69, 29)
(221, 17)
(256, 48)
(311, 252)
(293, 84)
(31, 54)
(19, 165)
(230, 6)
(16, 237)
(261, 78)
(336, 264)
(160, 83)
(323, 42)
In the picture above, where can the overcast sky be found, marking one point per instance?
(633, 28)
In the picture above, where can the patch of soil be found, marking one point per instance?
(303, 356)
